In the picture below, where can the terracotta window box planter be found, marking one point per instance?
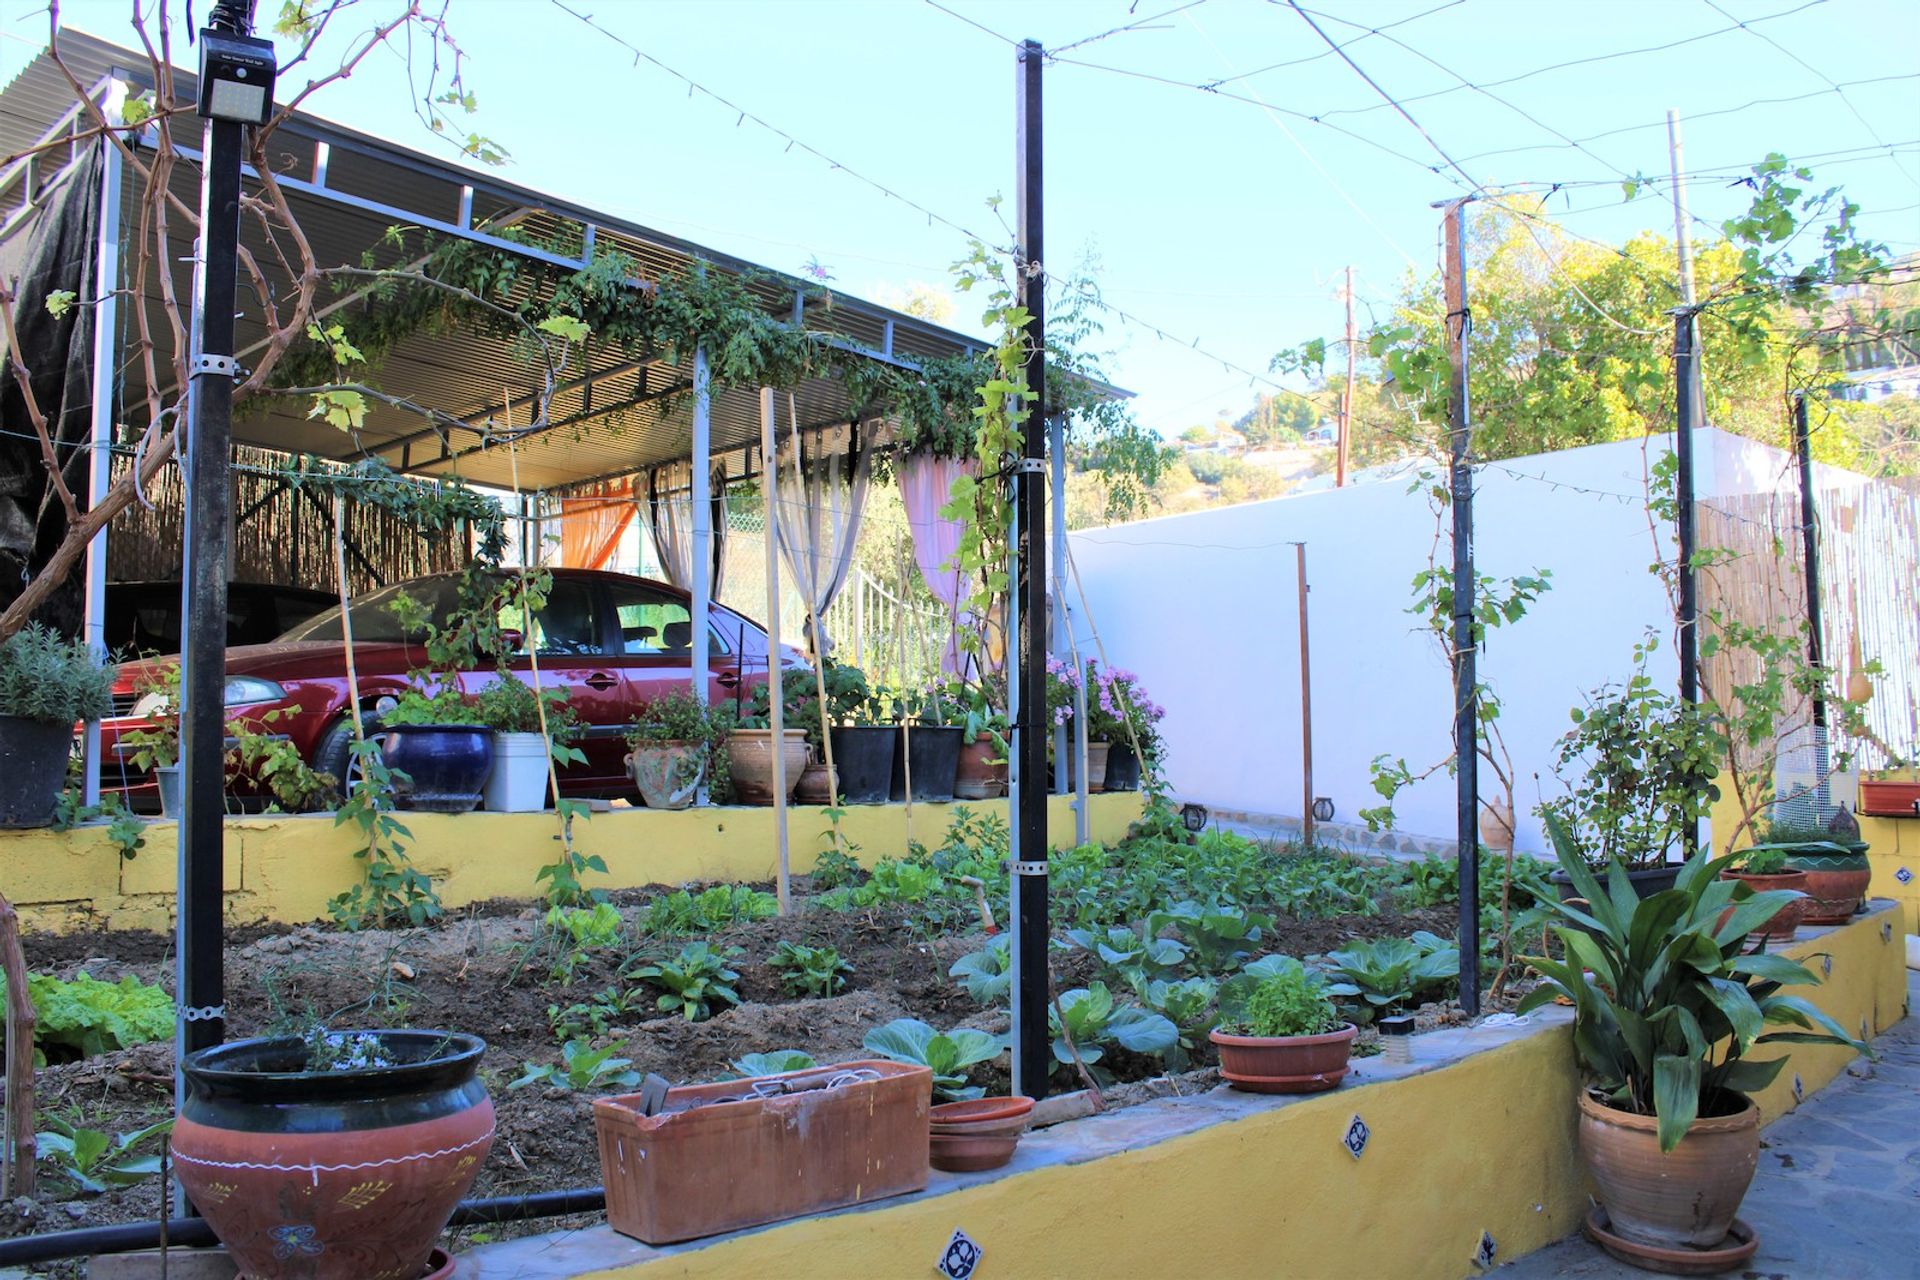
(740, 1153)
(1890, 799)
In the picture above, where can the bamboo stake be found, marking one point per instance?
(18, 1136)
(776, 675)
(533, 649)
(813, 629)
(346, 619)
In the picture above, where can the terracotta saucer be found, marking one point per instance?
(1738, 1247)
(440, 1265)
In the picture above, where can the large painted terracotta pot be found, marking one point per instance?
(347, 1174)
(1837, 879)
(1684, 1198)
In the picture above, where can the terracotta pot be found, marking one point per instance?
(978, 777)
(668, 774)
(1890, 799)
(1685, 1197)
(1836, 884)
(980, 1110)
(970, 1153)
(750, 759)
(1782, 925)
(816, 785)
(332, 1175)
(1097, 765)
(1285, 1064)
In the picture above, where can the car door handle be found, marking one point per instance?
(728, 678)
(600, 680)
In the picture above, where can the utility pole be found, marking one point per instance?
(1032, 1046)
(236, 90)
(1466, 690)
(1346, 397)
(1683, 245)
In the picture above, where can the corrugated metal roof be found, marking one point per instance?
(617, 415)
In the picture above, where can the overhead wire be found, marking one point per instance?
(1812, 70)
(1131, 26)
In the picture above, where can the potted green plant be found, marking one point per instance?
(981, 770)
(1764, 868)
(800, 710)
(1284, 1035)
(1836, 867)
(155, 745)
(333, 1154)
(670, 747)
(1136, 734)
(432, 736)
(1667, 1012)
(862, 735)
(1642, 765)
(926, 757)
(521, 750)
(47, 685)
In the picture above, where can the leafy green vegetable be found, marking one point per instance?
(1219, 938)
(94, 1161)
(810, 971)
(582, 1067)
(85, 1017)
(947, 1053)
(695, 980)
(987, 974)
(772, 1063)
(716, 907)
(1388, 972)
(1096, 1023)
(1288, 1002)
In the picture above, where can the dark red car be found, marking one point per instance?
(612, 641)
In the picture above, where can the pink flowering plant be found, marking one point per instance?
(1063, 684)
(1120, 711)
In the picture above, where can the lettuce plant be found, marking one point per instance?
(85, 1017)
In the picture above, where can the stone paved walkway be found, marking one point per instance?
(1838, 1190)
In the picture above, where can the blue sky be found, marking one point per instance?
(1214, 219)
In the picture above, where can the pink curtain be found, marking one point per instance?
(925, 485)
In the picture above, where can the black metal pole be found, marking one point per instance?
(1810, 543)
(1686, 377)
(1033, 1053)
(203, 603)
(1466, 689)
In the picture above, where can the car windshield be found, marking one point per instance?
(373, 617)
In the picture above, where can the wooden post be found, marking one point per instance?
(1306, 706)
(776, 683)
(18, 1138)
(1346, 397)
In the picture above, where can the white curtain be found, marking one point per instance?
(669, 499)
(819, 501)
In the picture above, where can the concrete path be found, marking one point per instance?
(1838, 1190)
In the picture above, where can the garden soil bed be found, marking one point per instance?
(484, 971)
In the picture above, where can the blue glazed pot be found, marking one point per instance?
(446, 764)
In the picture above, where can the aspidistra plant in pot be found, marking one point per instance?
(1668, 1008)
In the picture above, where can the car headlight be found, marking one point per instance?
(151, 706)
(242, 690)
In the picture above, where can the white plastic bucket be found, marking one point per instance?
(518, 783)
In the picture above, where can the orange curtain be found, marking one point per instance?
(591, 524)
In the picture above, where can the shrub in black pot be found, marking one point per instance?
(47, 685)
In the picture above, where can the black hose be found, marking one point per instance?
(192, 1233)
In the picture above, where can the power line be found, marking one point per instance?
(746, 116)
(977, 26)
(1811, 69)
(1328, 53)
(1390, 99)
(1131, 26)
(1588, 61)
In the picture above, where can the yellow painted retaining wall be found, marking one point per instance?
(1484, 1144)
(284, 869)
(1893, 846)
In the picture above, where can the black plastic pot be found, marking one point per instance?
(33, 768)
(863, 756)
(936, 759)
(1646, 882)
(1123, 768)
(446, 764)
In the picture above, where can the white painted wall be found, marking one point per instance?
(1202, 608)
